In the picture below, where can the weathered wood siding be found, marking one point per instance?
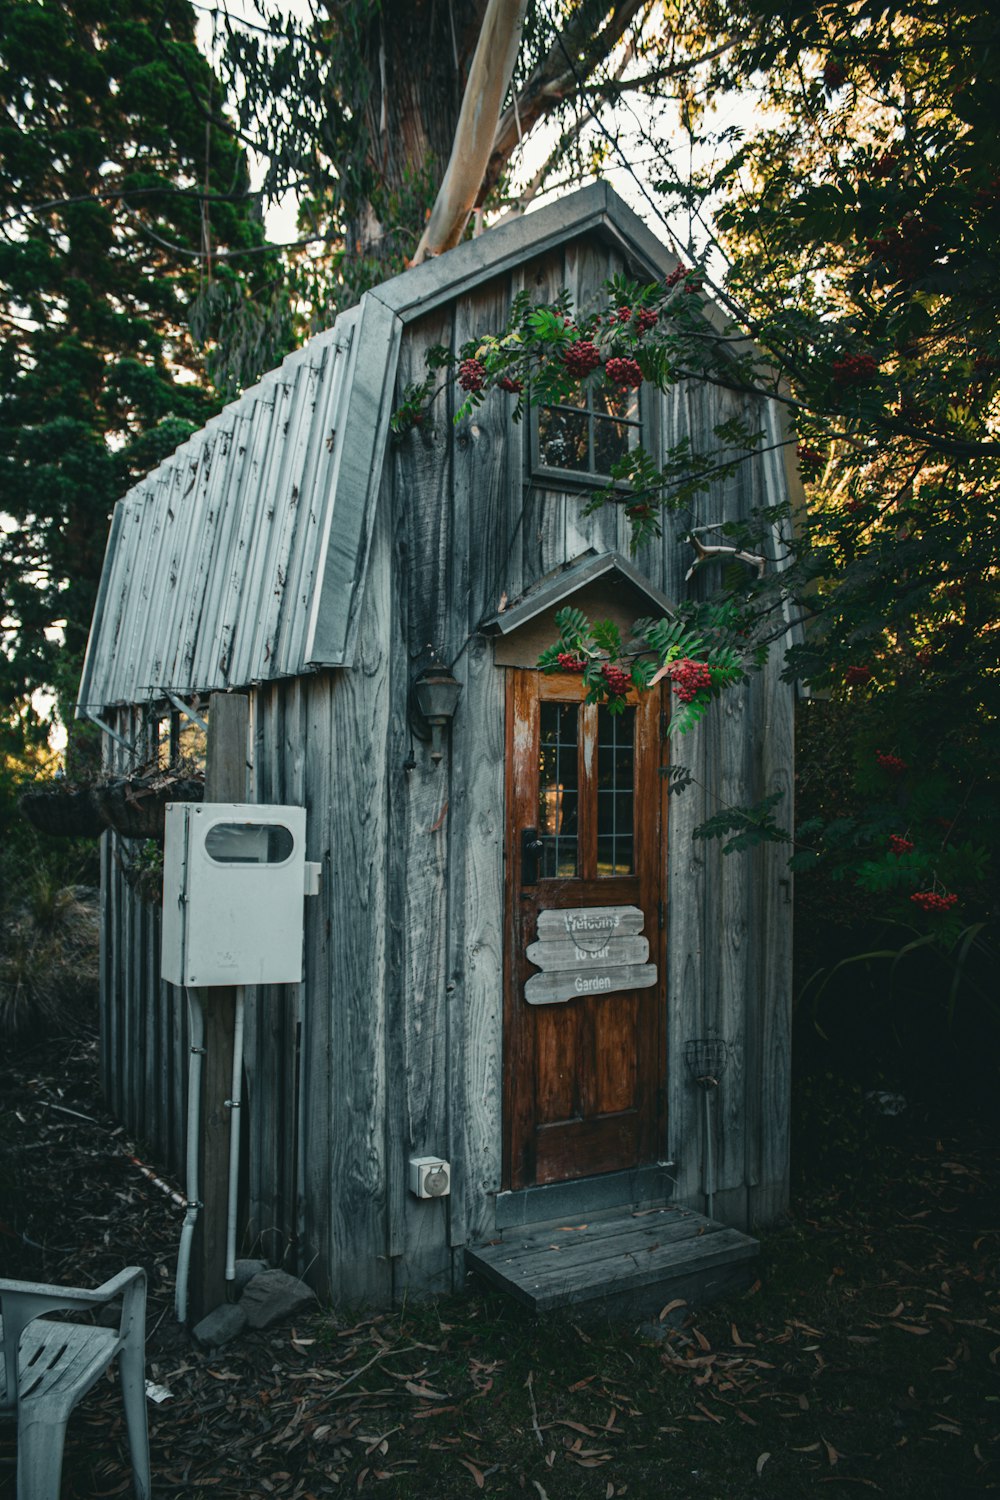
(393, 1045)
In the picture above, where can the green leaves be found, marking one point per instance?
(700, 639)
(745, 827)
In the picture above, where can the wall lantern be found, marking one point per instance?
(437, 693)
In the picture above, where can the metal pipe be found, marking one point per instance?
(709, 1156)
(234, 1101)
(196, 1018)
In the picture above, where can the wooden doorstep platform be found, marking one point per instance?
(619, 1262)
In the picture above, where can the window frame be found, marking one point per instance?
(584, 479)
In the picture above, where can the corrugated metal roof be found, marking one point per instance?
(214, 558)
(242, 557)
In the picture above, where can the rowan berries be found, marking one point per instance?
(509, 383)
(624, 372)
(617, 678)
(891, 763)
(933, 901)
(646, 319)
(855, 369)
(834, 75)
(580, 358)
(689, 678)
(899, 845)
(570, 662)
(857, 676)
(472, 375)
(810, 459)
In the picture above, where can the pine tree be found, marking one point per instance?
(123, 190)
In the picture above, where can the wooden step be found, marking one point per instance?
(620, 1262)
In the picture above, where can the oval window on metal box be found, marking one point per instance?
(249, 843)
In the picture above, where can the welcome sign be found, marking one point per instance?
(588, 950)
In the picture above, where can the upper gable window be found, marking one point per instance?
(582, 441)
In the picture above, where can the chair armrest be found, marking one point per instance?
(23, 1301)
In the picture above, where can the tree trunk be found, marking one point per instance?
(416, 56)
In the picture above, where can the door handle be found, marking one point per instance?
(531, 848)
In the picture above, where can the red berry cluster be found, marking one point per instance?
(690, 678)
(899, 845)
(693, 284)
(932, 901)
(508, 383)
(810, 459)
(472, 375)
(834, 75)
(646, 319)
(623, 315)
(855, 369)
(640, 512)
(909, 248)
(580, 358)
(885, 165)
(617, 678)
(891, 763)
(857, 676)
(570, 662)
(679, 270)
(624, 372)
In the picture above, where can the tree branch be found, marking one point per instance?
(553, 81)
(489, 78)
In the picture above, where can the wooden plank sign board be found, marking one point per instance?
(588, 950)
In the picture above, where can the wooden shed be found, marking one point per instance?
(294, 550)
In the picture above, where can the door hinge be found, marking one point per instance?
(664, 723)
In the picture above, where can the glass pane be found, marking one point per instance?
(617, 403)
(249, 843)
(558, 795)
(615, 792)
(612, 441)
(562, 438)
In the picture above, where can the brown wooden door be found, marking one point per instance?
(584, 1073)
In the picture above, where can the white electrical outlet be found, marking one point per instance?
(430, 1177)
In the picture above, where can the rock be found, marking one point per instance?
(246, 1270)
(220, 1326)
(273, 1296)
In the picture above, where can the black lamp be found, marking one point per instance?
(437, 693)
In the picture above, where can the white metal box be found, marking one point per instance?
(234, 881)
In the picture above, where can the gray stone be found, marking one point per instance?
(220, 1326)
(273, 1296)
(246, 1270)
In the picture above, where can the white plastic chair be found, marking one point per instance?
(47, 1366)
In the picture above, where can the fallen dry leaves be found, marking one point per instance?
(439, 1405)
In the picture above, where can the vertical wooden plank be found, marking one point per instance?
(225, 781)
(431, 609)
(730, 940)
(773, 747)
(358, 736)
(317, 993)
(686, 965)
(488, 477)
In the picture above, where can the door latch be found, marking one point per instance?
(531, 848)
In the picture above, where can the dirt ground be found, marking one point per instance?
(865, 1357)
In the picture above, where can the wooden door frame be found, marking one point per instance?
(650, 833)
